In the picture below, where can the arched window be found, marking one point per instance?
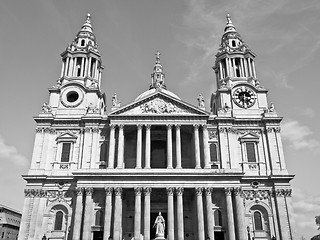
(58, 221)
(257, 220)
(99, 218)
(217, 218)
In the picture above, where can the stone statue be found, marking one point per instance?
(160, 225)
(45, 108)
(317, 219)
(271, 108)
(200, 99)
(115, 101)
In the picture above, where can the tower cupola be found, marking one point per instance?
(157, 76)
(81, 61)
(234, 60)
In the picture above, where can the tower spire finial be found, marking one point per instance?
(157, 76)
(158, 57)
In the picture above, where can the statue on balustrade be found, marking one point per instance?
(160, 225)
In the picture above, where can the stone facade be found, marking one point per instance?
(9, 223)
(217, 174)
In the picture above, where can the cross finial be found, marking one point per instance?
(88, 17)
(158, 57)
(228, 18)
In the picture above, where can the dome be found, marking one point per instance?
(153, 90)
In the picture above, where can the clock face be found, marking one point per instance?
(244, 97)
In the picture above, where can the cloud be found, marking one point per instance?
(299, 136)
(10, 153)
(306, 207)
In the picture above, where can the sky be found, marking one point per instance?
(284, 34)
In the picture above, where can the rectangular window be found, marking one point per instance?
(213, 152)
(251, 154)
(65, 154)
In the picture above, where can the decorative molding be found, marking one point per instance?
(283, 192)
(79, 191)
(159, 106)
(228, 191)
(238, 191)
(89, 191)
(256, 194)
(212, 133)
(118, 191)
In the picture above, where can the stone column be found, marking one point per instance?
(87, 220)
(89, 67)
(169, 146)
(95, 145)
(228, 67)
(137, 213)
(27, 206)
(209, 213)
(178, 146)
(120, 146)
(170, 214)
(66, 66)
(148, 145)
(78, 214)
(200, 213)
(147, 193)
(179, 191)
(111, 146)
(241, 228)
(197, 145)
(35, 208)
(117, 214)
(234, 67)
(220, 70)
(231, 231)
(254, 70)
(82, 67)
(206, 146)
(139, 146)
(284, 223)
(108, 213)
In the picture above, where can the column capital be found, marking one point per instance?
(89, 191)
(118, 191)
(228, 191)
(79, 191)
(170, 191)
(178, 126)
(147, 191)
(137, 191)
(109, 190)
(208, 191)
(148, 126)
(169, 126)
(179, 191)
(238, 191)
(195, 126)
(199, 191)
(204, 126)
(139, 126)
(121, 126)
(112, 126)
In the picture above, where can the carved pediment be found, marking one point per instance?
(249, 136)
(159, 104)
(67, 136)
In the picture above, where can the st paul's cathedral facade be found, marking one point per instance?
(158, 167)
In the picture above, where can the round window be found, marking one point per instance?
(72, 96)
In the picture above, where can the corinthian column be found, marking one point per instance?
(120, 147)
(169, 146)
(230, 220)
(137, 213)
(206, 146)
(178, 146)
(179, 191)
(147, 193)
(78, 214)
(117, 214)
(148, 143)
(209, 213)
(107, 214)
(88, 214)
(170, 214)
(197, 145)
(200, 213)
(139, 146)
(242, 234)
(111, 146)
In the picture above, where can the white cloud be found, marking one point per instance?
(299, 136)
(10, 153)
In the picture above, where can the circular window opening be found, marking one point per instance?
(72, 96)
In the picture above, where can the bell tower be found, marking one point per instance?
(239, 92)
(78, 90)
